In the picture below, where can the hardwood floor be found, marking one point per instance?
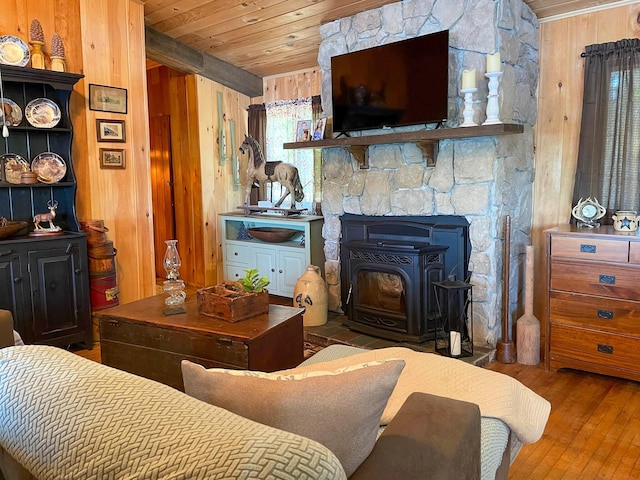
(593, 431)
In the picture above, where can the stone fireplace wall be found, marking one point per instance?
(483, 178)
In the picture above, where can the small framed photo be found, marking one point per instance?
(303, 131)
(112, 158)
(318, 130)
(107, 99)
(110, 130)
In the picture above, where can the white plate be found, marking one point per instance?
(14, 166)
(13, 111)
(49, 167)
(42, 113)
(13, 51)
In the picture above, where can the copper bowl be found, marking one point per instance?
(272, 234)
(8, 228)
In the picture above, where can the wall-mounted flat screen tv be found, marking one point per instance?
(400, 83)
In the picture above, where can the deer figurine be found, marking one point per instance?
(47, 217)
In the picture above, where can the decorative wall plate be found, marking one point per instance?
(12, 111)
(14, 166)
(13, 51)
(42, 113)
(49, 167)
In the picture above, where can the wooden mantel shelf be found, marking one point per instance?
(425, 139)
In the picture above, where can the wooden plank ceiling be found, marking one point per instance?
(273, 37)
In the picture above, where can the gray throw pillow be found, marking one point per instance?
(340, 409)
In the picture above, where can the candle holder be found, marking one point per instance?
(467, 113)
(493, 108)
(453, 336)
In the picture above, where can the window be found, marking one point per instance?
(282, 121)
(609, 153)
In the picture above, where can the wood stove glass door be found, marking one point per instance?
(384, 291)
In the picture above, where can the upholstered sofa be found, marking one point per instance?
(62, 416)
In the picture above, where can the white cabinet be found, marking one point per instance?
(283, 263)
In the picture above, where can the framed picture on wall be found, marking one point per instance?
(110, 130)
(112, 158)
(107, 99)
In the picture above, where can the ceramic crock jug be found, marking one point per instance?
(625, 221)
(311, 294)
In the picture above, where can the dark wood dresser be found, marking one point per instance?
(139, 338)
(594, 301)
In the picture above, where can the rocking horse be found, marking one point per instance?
(261, 171)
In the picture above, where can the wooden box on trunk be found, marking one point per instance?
(228, 301)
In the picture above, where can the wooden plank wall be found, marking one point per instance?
(559, 115)
(218, 193)
(104, 39)
(302, 84)
(113, 50)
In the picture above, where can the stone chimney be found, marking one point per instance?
(483, 179)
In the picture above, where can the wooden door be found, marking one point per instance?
(161, 187)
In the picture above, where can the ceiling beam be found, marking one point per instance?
(175, 54)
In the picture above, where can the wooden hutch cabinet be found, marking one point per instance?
(44, 280)
(594, 300)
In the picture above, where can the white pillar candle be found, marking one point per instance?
(454, 343)
(493, 62)
(469, 79)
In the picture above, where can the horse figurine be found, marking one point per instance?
(258, 170)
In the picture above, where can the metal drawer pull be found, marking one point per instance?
(606, 314)
(608, 279)
(602, 348)
(586, 248)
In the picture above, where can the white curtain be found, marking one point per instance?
(282, 121)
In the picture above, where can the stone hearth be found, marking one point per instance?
(483, 179)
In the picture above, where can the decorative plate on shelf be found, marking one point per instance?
(12, 111)
(49, 167)
(14, 167)
(42, 113)
(13, 51)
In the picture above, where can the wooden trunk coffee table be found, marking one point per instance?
(139, 338)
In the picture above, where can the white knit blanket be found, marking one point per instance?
(498, 396)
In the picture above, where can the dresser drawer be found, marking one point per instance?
(634, 252)
(590, 249)
(238, 254)
(595, 347)
(612, 316)
(606, 280)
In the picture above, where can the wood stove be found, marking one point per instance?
(388, 267)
